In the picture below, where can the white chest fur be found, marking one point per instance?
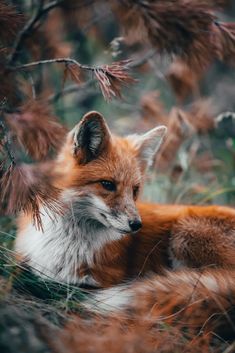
(66, 243)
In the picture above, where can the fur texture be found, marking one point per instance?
(184, 311)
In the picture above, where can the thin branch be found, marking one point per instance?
(111, 77)
(51, 6)
(132, 64)
(74, 87)
(52, 61)
(149, 55)
(71, 89)
(230, 349)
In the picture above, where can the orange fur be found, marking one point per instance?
(178, 312)
(181, 228)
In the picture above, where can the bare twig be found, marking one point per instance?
(132, 64)
(74, 87)
(111, 77)
(149, 55)
(51, 6)
(52, 61)
(230, 349)
(71, 89)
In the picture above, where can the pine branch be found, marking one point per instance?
(74, 87)
(111, 77)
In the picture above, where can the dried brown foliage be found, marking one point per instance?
(72, 71)
(152, 108)
(226, 44)
(178, 129)
(183, 80)
(9, 81)
(9, 87)
(112, 77)
(36, 128)
(202, 116)
(79, 14)
(182, 28)
(26, 188)
(10, 22)
(181, 124)
(137, 335)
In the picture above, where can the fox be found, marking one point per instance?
(161, 277)
(106, 236)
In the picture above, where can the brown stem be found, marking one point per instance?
(52, 61)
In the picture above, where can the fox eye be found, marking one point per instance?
(108, 185)
(135, 191)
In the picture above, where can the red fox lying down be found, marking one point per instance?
(106, 237)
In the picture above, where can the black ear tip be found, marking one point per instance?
(93, 115)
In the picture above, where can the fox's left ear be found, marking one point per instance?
(147, 145)
(90, 137)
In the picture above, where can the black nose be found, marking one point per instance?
(135, 225)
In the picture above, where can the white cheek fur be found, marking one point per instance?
(67, 242)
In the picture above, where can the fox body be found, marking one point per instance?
(105, 236)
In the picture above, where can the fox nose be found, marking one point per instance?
(135, 225)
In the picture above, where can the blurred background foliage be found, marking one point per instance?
(197, 161)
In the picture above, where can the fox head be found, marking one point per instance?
(106, 172)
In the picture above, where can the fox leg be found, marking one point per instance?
(205, 236)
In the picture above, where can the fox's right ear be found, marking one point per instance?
(90, 137)
(147, 145)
